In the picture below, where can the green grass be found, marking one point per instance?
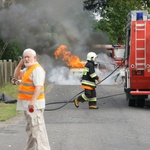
(8, 111)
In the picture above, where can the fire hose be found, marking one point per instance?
(16, 82)
(72, 99)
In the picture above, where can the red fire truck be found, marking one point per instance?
(116, 52)
(137, 54)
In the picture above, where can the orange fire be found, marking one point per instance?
(71, 60)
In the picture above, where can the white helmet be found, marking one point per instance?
(91, 56)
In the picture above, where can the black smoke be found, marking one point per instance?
(45, 25)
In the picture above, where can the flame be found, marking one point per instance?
(71, 60)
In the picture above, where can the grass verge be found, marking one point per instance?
(8, 111)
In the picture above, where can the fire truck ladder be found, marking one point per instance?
(140, 51)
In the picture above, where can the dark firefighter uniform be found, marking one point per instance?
(88, 83)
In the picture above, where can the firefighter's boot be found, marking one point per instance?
(93, 107)
(76, 102)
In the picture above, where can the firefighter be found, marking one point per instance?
(88, 83)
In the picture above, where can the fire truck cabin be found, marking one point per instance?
(118, 54)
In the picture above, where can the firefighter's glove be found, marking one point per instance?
(99, 80)
(14, 81)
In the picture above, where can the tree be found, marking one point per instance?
(101, 5)
(114, 18)
(114, 14)
(2, 50)
(12, 51)
(95, 5)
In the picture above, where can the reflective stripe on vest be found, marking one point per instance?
(27, 88)
(88, 83)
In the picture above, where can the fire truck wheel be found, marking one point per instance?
(140, 102)
(131, 102)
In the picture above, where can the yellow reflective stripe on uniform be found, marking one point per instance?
(93, 75)
(92, 99)
(85, 70)
(88, 83)
(84, 97)
(88, 99)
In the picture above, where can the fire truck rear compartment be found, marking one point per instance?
(140, 83)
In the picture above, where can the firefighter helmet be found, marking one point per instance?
(91, 56)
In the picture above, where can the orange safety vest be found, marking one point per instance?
(27, 88)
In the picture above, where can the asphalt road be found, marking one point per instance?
(114, 126)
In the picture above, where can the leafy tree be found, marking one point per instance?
(114, 14)
(95, 5)
(12, 51)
